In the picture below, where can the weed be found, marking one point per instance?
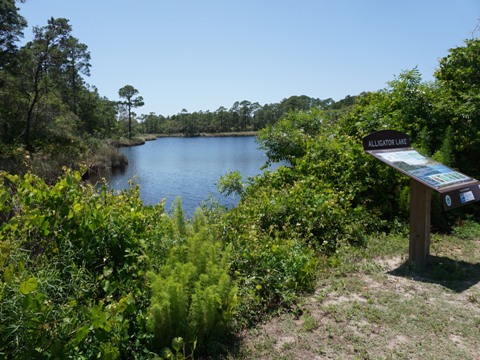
(309, 323)
(467, 230)
(473, 298)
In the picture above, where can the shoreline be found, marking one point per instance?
(143, 138)
(220, 134)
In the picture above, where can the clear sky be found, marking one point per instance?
(203, 54)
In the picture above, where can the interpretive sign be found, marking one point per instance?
(457, 189)
(393, 148)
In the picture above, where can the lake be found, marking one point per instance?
(188, 167)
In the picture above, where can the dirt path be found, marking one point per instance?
(382, 311)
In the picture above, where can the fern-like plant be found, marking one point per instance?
(193, 296)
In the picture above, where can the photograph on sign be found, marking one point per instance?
(420, 167)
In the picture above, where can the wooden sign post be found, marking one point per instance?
(393, 148)
(420, 204)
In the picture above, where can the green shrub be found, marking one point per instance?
(73, 266)
(193, 296)
(271, 271)
(231, 184)
(322, 200)
(287, 139)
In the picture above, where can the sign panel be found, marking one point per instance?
(393, 148)
(427, 171)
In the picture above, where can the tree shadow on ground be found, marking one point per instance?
(453, 274)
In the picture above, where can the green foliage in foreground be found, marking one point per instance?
(74, 263)
(86, 273)
(193, 295)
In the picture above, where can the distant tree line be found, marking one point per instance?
(241, 116)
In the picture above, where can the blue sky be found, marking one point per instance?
(200, 55)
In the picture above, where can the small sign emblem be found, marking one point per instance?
(448, 200)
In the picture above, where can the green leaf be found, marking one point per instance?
(28, 286)
(3, 197)
(77, 208)
(8, 274)
(27, 302)
(99, 318)
(177, 344)
(80, 335)
(107, 271)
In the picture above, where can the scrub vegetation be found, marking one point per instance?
(311, 261)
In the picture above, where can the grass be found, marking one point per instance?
(134, 141)
(371, 304)
(106, 156)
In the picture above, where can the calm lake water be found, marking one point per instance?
(188, 167)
